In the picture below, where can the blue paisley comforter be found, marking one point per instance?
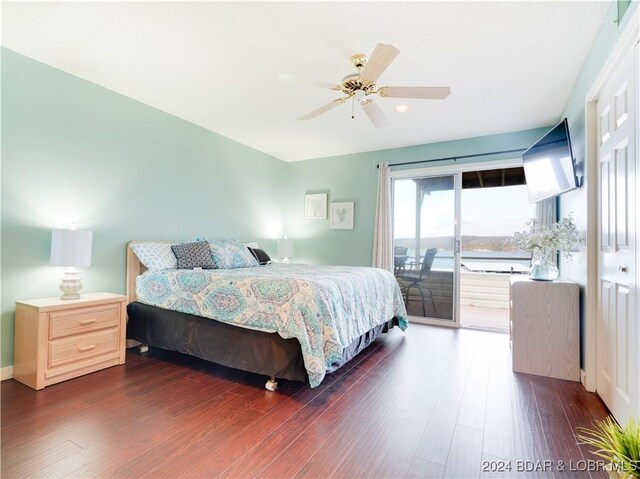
(325, 307)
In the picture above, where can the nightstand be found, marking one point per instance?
(57, 339)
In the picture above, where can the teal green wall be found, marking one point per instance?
(74, 151)
(354, 178)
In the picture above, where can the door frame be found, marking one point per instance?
(628, 38)
(455, 170)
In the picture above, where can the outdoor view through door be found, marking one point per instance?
(424, 234)
(493, 206)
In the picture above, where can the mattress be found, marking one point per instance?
(325, 308)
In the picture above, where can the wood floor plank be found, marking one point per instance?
(157, 440)
(385, 449)
(233, 451)
(431, 402)
(465, 455)
(106, 453)
(436, 441)
(185, 456)
(30, 427)
(373, 395)
(362, 402)
(512, 427)
(43, 460)
(420, 468)
(474, 401)
(558, 433)
(582, 410)
(183, 442)
(261, 456)
(77, 425)
(290, 460)
(335, 448)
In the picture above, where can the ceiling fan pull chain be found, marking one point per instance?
(353, 107)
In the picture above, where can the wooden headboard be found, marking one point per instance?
(135, 268)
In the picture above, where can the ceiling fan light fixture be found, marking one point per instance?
(359, 86)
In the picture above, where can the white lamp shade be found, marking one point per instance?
(285, 248)
(71, 248)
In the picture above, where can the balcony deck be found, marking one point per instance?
(484, 299)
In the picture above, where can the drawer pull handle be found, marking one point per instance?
(86, 348)
(87, 321)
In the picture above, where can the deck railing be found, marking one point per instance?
(483, 283)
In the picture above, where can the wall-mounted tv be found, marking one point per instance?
(548, 165)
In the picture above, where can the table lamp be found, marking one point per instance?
(71, 248)
(285, 249)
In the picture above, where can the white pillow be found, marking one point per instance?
(155, 256)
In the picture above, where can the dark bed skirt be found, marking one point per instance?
(232, 346)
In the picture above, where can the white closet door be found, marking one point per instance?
(618, 333)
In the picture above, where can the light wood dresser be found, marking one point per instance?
(544, 327)
(56, 339)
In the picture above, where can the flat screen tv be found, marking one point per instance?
(548, 165)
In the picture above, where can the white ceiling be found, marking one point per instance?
(510, 65)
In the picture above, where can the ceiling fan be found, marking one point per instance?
(358, 86)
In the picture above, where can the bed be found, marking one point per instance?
(295, 322)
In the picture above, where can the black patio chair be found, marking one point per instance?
(399, 259)
(417, 279)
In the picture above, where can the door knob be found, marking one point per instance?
(623, 269)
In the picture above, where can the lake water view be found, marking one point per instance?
(488, 261)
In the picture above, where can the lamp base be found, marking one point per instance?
(71, 284)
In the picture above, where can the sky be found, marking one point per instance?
(485, 211)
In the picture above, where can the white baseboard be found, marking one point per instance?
(587, 381)
(6, 373)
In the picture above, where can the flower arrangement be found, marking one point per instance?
(544, 241)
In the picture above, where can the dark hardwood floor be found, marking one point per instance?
(432, 402)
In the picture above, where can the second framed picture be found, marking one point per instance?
(341, 216)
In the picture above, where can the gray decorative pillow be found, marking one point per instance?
(193, 255)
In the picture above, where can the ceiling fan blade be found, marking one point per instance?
(303, 81)
(424, 92)
(378, 62)
(375, 114)
(322, 109)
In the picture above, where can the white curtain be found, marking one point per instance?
(546, 211)
(382, 236)
(546, 214)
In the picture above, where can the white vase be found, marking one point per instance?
(543, 269)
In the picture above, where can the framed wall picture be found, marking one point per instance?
(341, 216)
(315, 207)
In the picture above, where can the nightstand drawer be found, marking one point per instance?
(82, 320)
(81, 347)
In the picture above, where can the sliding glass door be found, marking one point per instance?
(426, 245)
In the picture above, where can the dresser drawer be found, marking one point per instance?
(82, 320)
(81, 347)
